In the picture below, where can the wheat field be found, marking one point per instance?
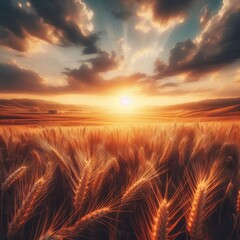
(156, 182)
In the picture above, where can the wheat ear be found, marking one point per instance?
(12, 178)
(195, 218)
(84, 221)
(28, 206)
(143, 179)
(80, 192)
(161, 221)
(132, 189)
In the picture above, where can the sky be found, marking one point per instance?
(156, 52)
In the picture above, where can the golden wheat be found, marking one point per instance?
(143, 182)
(12, 178)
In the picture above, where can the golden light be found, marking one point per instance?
(126, 101)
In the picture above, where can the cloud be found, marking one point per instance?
(70, 18)
(17, 25)
(9, 39)
(89, 72)
(215, 47)
(87, 79)
(16, 79)
(161, 14)
(152, 14)
(205, 16)
(66, 22)
(119, 10)
(169, 85)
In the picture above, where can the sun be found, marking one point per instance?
(126, 101)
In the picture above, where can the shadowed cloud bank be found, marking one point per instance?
(65, 23)
(216, 46)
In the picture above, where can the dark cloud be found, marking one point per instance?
(105, 62)
(16, 24)
(100, 86)
(165, 10)
(217, 46)
(64, 16)
(161, 13)
(65, 22)
(9, 39)
(19, 21)
(15, 79)
(89, 71)
(180, 52)
(87, 79)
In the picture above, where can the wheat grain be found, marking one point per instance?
(12, 178)
(80, 192)
(84, 221)
(161, 221)
(195, 218)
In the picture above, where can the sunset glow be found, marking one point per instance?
(94, 51)
(126, 101)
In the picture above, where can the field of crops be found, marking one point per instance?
(144, 182)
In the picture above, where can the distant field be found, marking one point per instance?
(36, 113)
(100, 118)
(150, 182)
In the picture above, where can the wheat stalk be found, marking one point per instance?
(62, 163)
(59, 159)
(28, 206)
(229, 188)
(12, 178)
(3, 173)
(166, 152)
